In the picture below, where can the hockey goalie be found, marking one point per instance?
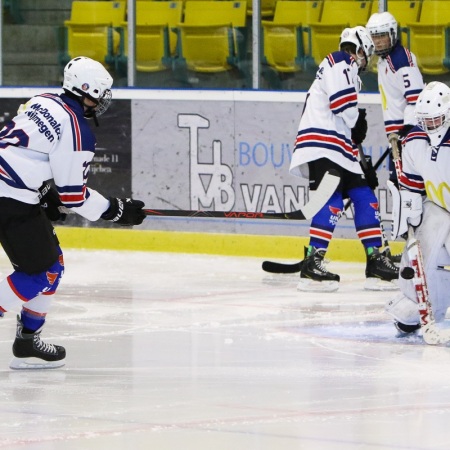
(421, 210)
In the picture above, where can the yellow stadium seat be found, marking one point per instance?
(155, 43)
(267, 7)
(284, 48)
(336, 15)
(404, 11)
(90, 30)
(212, 36)
(428, 38)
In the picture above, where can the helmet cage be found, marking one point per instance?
(101, 104)
(383, 24)
(433, 108)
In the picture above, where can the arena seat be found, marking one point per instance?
(267, 7)
(90, 30)
(284, 47)
(155, 43)
(212, 36)
(429, 37)
(336, 15)
(404, 11)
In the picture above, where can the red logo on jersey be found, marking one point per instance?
(51, 277)
(374, 205)
(334, 211)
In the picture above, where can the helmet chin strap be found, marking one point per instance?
(436, 138)
(89, 111)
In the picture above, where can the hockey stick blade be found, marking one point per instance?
(274, 267)
(325, 190)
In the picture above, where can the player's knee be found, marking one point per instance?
(29, 286)
(363, 195)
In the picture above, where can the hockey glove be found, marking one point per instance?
(124, 211)
(370, 174)
(404, 131)
(50, 202)
(406, 210)
(359, 131)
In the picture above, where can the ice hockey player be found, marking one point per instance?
(50, 139)
(425, 176)
(331, 128)
(399, 78)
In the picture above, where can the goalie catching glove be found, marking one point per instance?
(50, 202)
(406, 210)
(125, 211)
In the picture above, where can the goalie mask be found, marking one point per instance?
(87, 78)
(363, 43)
(383, 30)
(433, 111)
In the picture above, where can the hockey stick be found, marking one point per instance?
(275, 267)
(325, 190)
(365, 167)
(431, 334)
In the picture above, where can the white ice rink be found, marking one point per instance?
(191, 352)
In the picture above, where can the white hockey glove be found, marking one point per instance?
(406, 210)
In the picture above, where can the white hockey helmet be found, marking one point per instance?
(381, 24)
(433, 111)
(360, 37)
(85, 77)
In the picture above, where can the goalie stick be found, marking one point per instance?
(431, 333)
(325, 190)
(275, 267)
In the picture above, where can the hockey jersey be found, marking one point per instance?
(425, 168)
(400, 83)
(329, 114)
(50, 139)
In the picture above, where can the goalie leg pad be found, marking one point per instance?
(403, 309)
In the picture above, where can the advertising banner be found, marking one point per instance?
(230, 156)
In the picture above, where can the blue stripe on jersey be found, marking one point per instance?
(412, 182)
(10, 177)
(327, 139)
(399, 57)
(342, 100)
(339, 56)
(411, 95)
(75, 127)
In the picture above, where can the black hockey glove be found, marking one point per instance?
(370, 173)
(50, 203)
(125, 211)
(359, 131)
(403, 132)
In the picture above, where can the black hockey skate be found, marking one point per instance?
(406, 329)
(381, 272)
(314, 276)
(32, 353)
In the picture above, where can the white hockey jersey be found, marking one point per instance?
(400, 83)
(330, 112)
(50, 139)
(425, 169)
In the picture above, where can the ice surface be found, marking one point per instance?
(193, 352)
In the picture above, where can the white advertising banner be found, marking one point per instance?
(231, 153)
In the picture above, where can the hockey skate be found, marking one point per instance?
(381, 273)
(314, 277)
(405, 330)
(32, 353)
